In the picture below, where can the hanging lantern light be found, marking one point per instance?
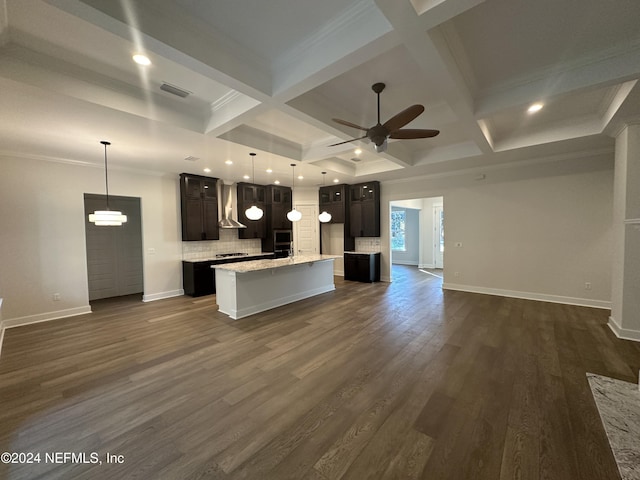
(107, 217)
(294, 215)
(254, 212)
(325, 216)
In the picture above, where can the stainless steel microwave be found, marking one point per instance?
(282, 238)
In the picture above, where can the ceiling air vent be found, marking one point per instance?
(191, 158)
(174, 90)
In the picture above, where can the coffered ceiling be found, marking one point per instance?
(270, 76)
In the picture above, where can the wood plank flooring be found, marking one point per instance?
(371, 381)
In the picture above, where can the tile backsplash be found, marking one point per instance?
(368, 244)
(228, 243)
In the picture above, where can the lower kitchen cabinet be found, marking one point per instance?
(198, 278)
(362, 267)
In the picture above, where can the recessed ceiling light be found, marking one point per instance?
(246, 177)
(335, 180)
(269, 170)
(207, 170)
(277, 182)
(358, 151)
(228, 162)
(141, 59)
(536, 107)
(300, 177)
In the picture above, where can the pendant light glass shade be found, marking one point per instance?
(253, 212)
(325, 216)
(294, 215)
(108, 217)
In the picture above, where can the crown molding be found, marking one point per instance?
(224, 100)
(347, 20)
(506, 166)
(79, 163)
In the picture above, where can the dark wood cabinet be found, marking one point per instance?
(332, 199)
(362, 267)
(364, 209)
(279, 203)
(251, 194)
(198, 278)
(199, 207)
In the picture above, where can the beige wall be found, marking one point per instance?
(43, 238)
(540, 231)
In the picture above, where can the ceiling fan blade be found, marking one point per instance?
(401, 119)
(349, 124)
(348, 141)
(408, 133)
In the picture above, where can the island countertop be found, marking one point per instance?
(256, 265)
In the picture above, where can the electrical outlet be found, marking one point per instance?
(587, 285)
(456, 274)
(56, 297)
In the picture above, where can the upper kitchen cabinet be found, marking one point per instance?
(251, 194)
(279, 202)
(199, 206)
(364, 209)
(333, 200)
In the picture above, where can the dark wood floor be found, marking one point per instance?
(372, 381)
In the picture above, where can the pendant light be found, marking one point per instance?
(254, 212)
(294, 215)
(325, 216)
(107, 217)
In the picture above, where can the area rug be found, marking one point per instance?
(618, 403)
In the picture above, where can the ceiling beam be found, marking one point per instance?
(430, 52)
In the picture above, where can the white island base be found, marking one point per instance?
(247, 288)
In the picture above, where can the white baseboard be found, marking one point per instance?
(45, 317)
(162, 295)
(540, 297)
(427, 265)
(623, 333)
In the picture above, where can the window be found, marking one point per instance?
(398, 219)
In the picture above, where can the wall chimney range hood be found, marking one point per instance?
(228, 205)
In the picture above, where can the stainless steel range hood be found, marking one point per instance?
(227, 205)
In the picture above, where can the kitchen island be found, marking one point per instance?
(246, 288)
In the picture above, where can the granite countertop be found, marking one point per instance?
(362, 253)
(255, 265)
(250, 255)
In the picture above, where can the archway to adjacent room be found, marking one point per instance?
(417, 234)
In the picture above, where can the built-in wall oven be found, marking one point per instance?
(282, 242)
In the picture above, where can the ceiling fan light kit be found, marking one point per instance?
(392, 128)
(108, 217)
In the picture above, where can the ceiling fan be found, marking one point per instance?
(392, 128)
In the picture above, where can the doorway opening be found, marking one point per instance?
(417, 234)
(114, 254)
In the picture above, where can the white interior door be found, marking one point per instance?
(438, 236)
(305, 232)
